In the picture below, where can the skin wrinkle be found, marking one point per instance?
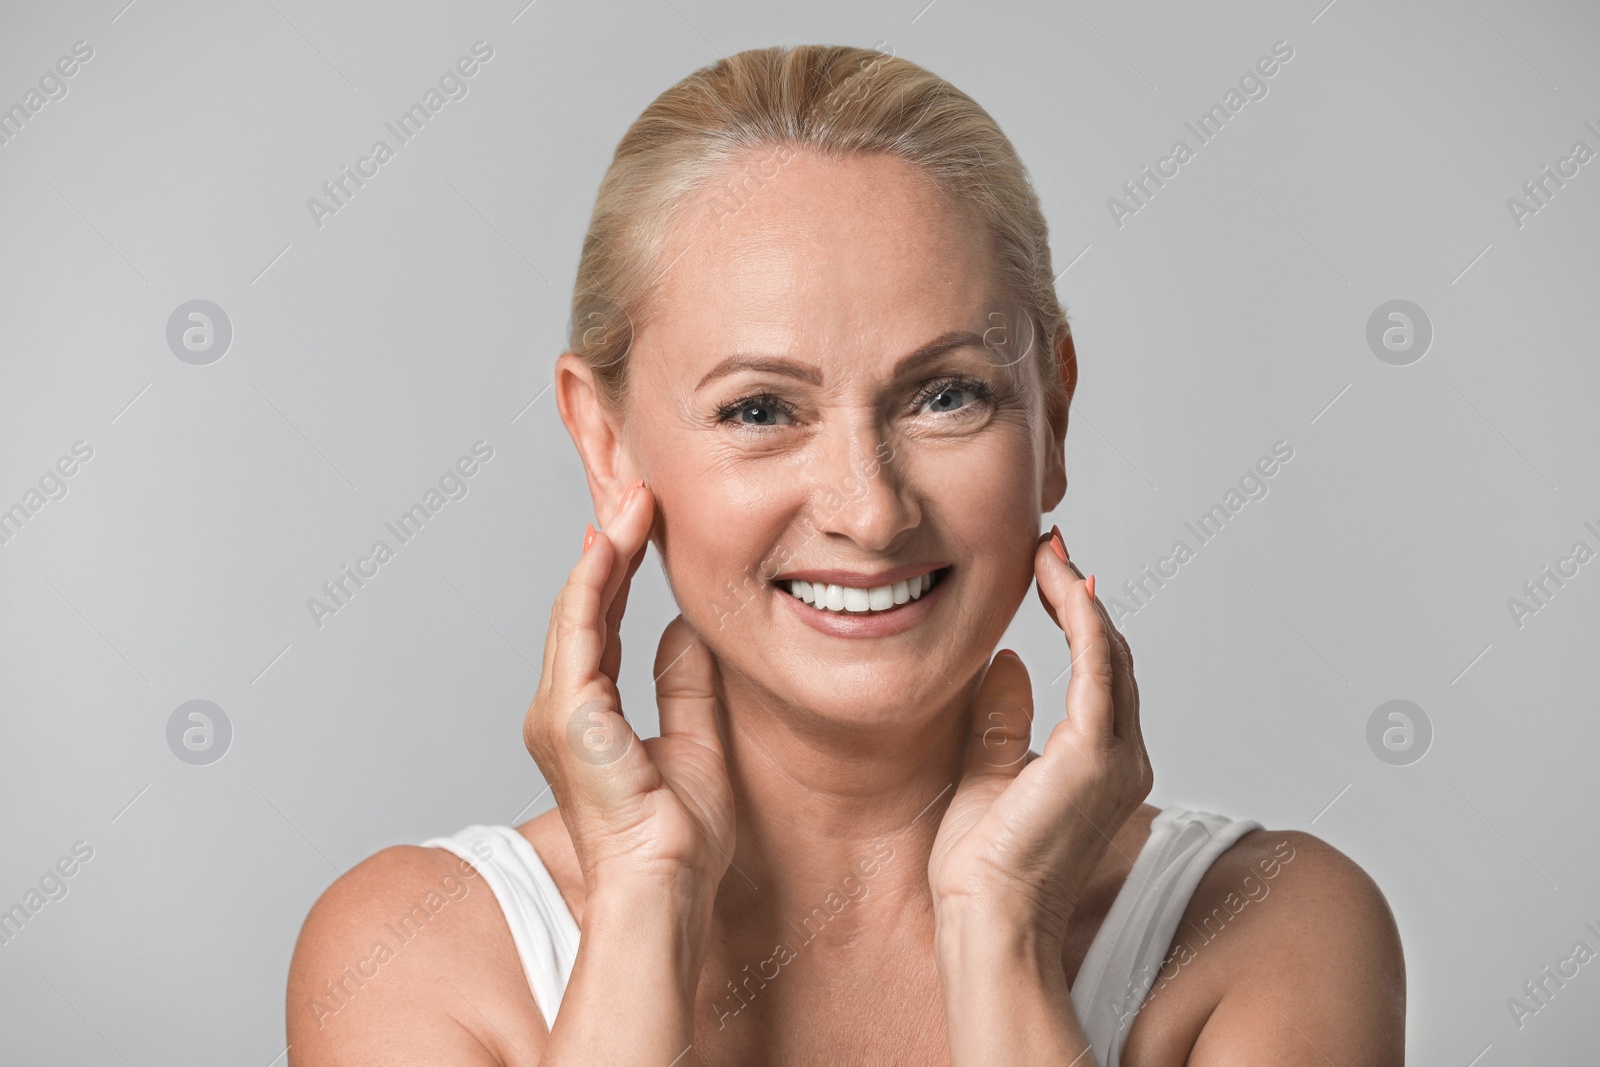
(845, 264)
(834, 745)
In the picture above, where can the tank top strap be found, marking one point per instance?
(1128, 950)
(542, 926)
(1121, 966)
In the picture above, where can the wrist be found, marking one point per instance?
(974, 939)
(674, 899)
(1005, 990)
(665, 935)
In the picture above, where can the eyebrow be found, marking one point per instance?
(805, 372)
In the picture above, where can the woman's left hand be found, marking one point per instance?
(1025, 831)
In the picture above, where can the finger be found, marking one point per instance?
(635, 557)
(1090, 702)
(628, 530)
(611, 658)
(1116, 635)
(1124, 687)
(686, 687)
(1002, 719)
(1126, 690)
(573, 643)
(573, 647)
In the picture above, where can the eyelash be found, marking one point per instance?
(980, 392)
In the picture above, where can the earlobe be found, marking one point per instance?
(1054, 489)
(593, 429)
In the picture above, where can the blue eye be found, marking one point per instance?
(765, 410)
(945, 387)
(948, 399)
(765, 406)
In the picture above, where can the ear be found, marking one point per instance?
(607, 463)
(1054, 485)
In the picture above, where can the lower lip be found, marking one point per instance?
(896, 620)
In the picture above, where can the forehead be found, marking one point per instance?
(827, 259)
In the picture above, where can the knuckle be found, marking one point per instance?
(570, 609)
(1097, 670)
(1143, 774)
(535, 736)
(536, 724)
(1122, 648)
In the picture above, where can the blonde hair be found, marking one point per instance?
(832, 99)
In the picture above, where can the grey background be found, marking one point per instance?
(369, 354)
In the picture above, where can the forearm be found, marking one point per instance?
(632, 992)
(1005, 995)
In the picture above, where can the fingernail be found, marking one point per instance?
(1056, 544)
(1089, 584)
(1007, 652)
(588, 535)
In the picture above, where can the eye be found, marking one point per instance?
(945, 390)
(765, 408)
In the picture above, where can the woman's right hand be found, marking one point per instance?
(656, 813)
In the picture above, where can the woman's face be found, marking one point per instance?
(829, 449)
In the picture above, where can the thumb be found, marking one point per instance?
(1002, 720)
(686, 687)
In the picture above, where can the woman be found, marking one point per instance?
(809, 364)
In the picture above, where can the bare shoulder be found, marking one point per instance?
(1288, 953)
(406, 959)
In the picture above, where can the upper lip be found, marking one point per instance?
(861, 579)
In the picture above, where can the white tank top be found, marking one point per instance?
(1122, 964)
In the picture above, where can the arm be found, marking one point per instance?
(631, 997)
(358, 996)
(1320, 975)
(455, 992)
(1312, 974)
(1005, 995)
(1024, 832)
(652, 824)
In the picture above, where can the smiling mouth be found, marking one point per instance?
(848, 600)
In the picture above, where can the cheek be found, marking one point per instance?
(989, 491)
(717, 537)
(990, 506)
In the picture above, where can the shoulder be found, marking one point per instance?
(406, 958)
(1295, 949)
(1327, 897)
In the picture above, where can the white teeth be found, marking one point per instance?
(849, 599)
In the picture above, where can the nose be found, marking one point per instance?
(860, 490)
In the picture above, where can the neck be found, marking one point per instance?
(836, 822)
